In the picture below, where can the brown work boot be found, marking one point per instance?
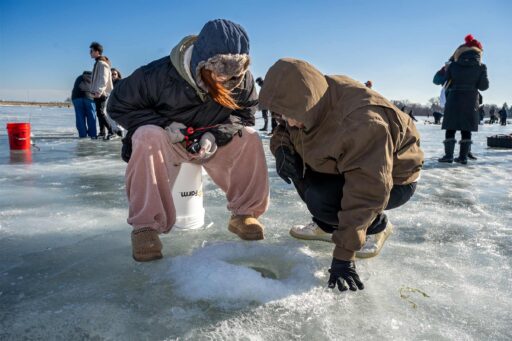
(246, 227)
(146, 245)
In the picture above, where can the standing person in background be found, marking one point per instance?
(205, 84)
(116, 76)
(464, 76)
(101, 87)
(503, 114)
(83, 103)
(481, 114)
(411, 115)
(492, 117)
(368, 84)
(264, 112)
(273, 122)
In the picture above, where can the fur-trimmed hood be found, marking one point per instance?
(223, 47)
(463, 49)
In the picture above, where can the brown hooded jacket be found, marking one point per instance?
(350, 130)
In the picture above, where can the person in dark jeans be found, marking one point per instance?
(83, 104)
(322, 193)
(101, 87)
(350, 153)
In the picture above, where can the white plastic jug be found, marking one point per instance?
(187, 194)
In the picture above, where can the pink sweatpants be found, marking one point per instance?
(238, 168)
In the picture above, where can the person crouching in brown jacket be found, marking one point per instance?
(350, 153)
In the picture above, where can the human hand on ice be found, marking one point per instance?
(174, 131)
(343, 271)
(288, 164)
(208, 146)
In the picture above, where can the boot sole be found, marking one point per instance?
(304, 237)
(143, 260)
(246, 236)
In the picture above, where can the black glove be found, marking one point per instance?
(224, 132)
(344, 271)
(288, 164)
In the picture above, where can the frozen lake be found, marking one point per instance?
(66, 271)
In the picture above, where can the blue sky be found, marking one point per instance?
(397, 44)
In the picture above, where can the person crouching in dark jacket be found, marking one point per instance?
(204, 84)
(464, 76)
(350, 153)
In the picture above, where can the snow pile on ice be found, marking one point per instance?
(228, 272)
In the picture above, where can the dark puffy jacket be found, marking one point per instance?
(465, 77)
(157, 94)
(82, 86)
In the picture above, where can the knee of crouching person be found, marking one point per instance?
(148, 133)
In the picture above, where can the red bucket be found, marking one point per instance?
(19, 136)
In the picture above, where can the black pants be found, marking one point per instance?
(322, 194)
(273, 121)
(450, 134)
(264, 113)
(102, 115)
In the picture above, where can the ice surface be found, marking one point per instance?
(66, 271)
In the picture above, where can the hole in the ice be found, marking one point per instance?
(265, 273)
(263, 270)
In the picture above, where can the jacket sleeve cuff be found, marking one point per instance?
(343, 254)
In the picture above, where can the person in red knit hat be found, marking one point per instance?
(463, 77)
(471, 44)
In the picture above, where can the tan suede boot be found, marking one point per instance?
(246, 227)
(146, 245)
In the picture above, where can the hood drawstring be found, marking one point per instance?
(302, 147)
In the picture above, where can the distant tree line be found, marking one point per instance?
(433, 105)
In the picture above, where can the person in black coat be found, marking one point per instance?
(437, 117)
(503, 115)
(481, 113)
(463, 77)
(192, 106)
(264, 112)
(85, 109)
(492, 117)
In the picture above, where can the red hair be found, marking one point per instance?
(219, 93)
